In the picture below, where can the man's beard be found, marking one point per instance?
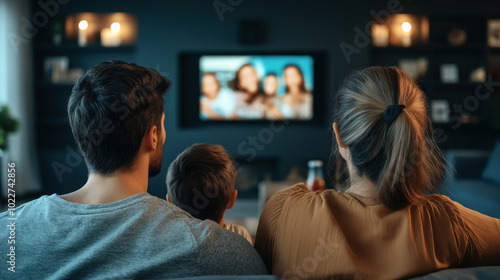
(155, 164)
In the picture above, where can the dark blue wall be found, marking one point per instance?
(167, 28)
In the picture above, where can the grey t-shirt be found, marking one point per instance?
(141, 237)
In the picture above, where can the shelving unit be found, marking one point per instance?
(473, 54)
(55, 141)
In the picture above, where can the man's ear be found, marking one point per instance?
(168, 198)
(151, 138)
(234, 194)
(337, 135)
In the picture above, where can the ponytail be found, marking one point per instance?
(383, 119)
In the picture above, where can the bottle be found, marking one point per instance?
(315, 181)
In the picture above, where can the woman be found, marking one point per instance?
(297, 99)
(384, 226)
(215, 104)
(249, 99)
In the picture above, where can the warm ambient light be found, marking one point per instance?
(406, 26)
(83, 25)
(115, 26)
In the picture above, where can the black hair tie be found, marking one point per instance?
(392, 112)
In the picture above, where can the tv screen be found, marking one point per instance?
(256, 87)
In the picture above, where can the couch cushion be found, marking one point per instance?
(479, 195)
(231, 277)
(492, 171)
(472, 273)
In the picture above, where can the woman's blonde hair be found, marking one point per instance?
(400, 157)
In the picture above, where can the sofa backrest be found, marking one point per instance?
(492, 171)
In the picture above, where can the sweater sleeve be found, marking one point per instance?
(268, 223)
(483, 235)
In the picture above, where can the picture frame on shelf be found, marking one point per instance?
(449, 73)
(440, 111)
(494, 33)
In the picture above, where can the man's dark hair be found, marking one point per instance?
(201, 180)
(110, 109)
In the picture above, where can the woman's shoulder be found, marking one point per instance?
(438, 207)
(299, 193)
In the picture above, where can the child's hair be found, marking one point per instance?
(201, 181)
(401, 156)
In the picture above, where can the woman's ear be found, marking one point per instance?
(337, 135)
(168, 198)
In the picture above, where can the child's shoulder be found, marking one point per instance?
(241, 230)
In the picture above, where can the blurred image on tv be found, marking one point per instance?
(256, 87)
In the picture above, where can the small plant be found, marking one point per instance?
(8, 124)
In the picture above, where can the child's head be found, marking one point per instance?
(201, 181)
(210, 85)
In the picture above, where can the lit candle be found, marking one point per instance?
(406, 40)
(380, 35)
(110, 37)
(82, 33)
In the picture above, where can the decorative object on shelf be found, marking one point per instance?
(8, 124)
(478, 75)
(406, 39)
(494, 33)
(449, 73)
(112, 30)
(407, 30)
(409, 66)
(422, 67)
(57, 70)
(467, 118)
(380, 35)
(440, 111)
(457, 37)
(82, 33)
(110, 37)
(415, 68)
(58, 31)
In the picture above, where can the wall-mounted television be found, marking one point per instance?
(251, 87)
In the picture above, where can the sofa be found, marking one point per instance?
(474, 179)
(472, 273)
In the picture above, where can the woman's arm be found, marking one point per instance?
(483, 233)
(266, 231)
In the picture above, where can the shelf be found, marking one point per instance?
(457, 86)
(466, 126)
(400, 50)
(74, 48)
(472, 47)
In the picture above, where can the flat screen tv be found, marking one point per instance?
(228, 87)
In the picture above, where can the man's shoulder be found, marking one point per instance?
(27, 205)
(234, 254)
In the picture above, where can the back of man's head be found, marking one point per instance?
(111, 108)
(201, 181)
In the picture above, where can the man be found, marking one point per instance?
(111, 227)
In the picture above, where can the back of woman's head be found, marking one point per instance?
(400, 156)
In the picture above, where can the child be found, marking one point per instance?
(201, 181)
